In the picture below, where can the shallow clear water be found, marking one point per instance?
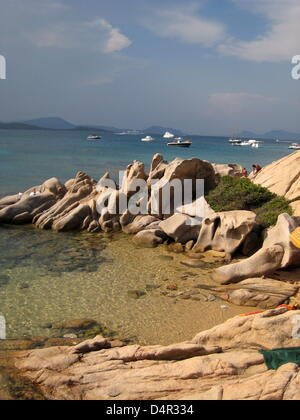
(49, 277)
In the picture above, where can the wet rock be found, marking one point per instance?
(23, 286)
(172, 286)
(138, 224)
(259, 292)
(149, 238)
(4, 280)
(136, 294)
(150, 287)
(166, 257)
(76, 324)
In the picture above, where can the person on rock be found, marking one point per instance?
(256, 169)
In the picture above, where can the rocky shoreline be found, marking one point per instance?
(222, 363)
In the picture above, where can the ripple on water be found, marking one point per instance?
(49, 277)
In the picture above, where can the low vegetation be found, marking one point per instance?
(241, 194)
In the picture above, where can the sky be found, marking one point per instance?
(212, 67)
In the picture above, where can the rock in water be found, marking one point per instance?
(261, 292)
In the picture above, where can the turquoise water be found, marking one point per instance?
(28, 158)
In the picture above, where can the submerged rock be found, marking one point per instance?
(136, 294)
(4, 280)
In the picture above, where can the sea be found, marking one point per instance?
(28, 158)
(144, 295)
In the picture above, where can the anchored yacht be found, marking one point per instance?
(168, 135)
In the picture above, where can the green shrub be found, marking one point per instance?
(268, 213)
(238, 194)
(241, 194)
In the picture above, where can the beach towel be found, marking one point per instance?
(278, 357)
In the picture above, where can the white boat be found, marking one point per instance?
(148, 138)
(168, 135)
(295, 146)
(251, 142)
(94, 137)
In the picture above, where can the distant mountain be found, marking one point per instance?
(275, 134)
(281, 135)
(17, 126)
(96, 130)
(156, 129)
(53, 123)
(111, 129)
(56, 123)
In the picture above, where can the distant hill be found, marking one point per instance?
(156, 129)
(282, 135)
(53, 123)
(17, 126)
(275, 134)
(88, 128)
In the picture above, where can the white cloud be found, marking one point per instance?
(185, 25)
(47, 24)
(115, 41)
(282, 39)
(98, 35)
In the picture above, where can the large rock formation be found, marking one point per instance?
(22, 208)
(225, 231)
(221, 363)
(227, 169)
(281, 177)
(82, 204)
(277, 252)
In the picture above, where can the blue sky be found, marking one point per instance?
(206, 66)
